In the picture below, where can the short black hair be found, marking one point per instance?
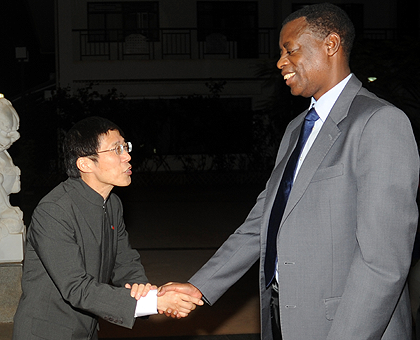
(83, 140)
(327, 18)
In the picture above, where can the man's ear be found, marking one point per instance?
(333, 41)
(84, 164)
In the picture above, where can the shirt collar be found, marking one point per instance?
(324, 104)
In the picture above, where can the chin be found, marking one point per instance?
(123, 183)
(300, 93)
(295, 91)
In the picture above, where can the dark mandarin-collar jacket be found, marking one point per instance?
(77, 260)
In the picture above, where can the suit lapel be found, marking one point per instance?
(323, 143)
(327, 136)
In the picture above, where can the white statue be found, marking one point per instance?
(11, 218)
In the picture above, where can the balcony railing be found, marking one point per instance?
(188, 43)
(176, 43)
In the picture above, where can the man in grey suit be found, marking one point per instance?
(78, 263)
(344, 241)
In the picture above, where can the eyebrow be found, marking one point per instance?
(287, 44)
(117, 143)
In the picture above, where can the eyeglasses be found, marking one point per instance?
(119, 149)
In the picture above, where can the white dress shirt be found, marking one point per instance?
(322, 107)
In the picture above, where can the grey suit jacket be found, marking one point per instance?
(346, 237)
(74, 251)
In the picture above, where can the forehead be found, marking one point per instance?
(293, 30)
(112, 137)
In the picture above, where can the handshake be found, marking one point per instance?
(176, 300)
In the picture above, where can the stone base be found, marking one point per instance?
(10, 290)
(11, 248)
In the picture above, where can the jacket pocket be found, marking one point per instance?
(331, 305)
(51, 331)
(327, 173)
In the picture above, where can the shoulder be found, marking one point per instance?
(58, 199)
(360, 102)
(56, 194)
(366, 100)
(59, 193)
(369, 107)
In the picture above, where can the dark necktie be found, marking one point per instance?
(282, 196)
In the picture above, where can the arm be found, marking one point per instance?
(233, 259)
(128, 267)
(387, 176)
(230, 262)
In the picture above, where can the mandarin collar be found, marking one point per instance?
(86, 191)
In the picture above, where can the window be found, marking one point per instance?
(114, 21)
(236, 20)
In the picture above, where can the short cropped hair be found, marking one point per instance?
(83, 140)
(327, 18)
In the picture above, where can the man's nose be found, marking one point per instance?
(126, 156)
(281, 63)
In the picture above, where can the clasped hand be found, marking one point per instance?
(176, 300)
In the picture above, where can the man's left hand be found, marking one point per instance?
(140, 290)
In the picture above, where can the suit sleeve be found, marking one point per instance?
(387, 173)
(128, 267)
(242, 249)
(55, 242)
(233, 259)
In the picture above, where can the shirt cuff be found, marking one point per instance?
(147, 305)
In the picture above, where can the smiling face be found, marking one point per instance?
(109, 169)
(305, 60)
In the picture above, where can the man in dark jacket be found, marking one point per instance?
(78, 263)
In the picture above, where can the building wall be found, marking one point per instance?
(157, 78)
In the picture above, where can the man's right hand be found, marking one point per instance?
(184, 288)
